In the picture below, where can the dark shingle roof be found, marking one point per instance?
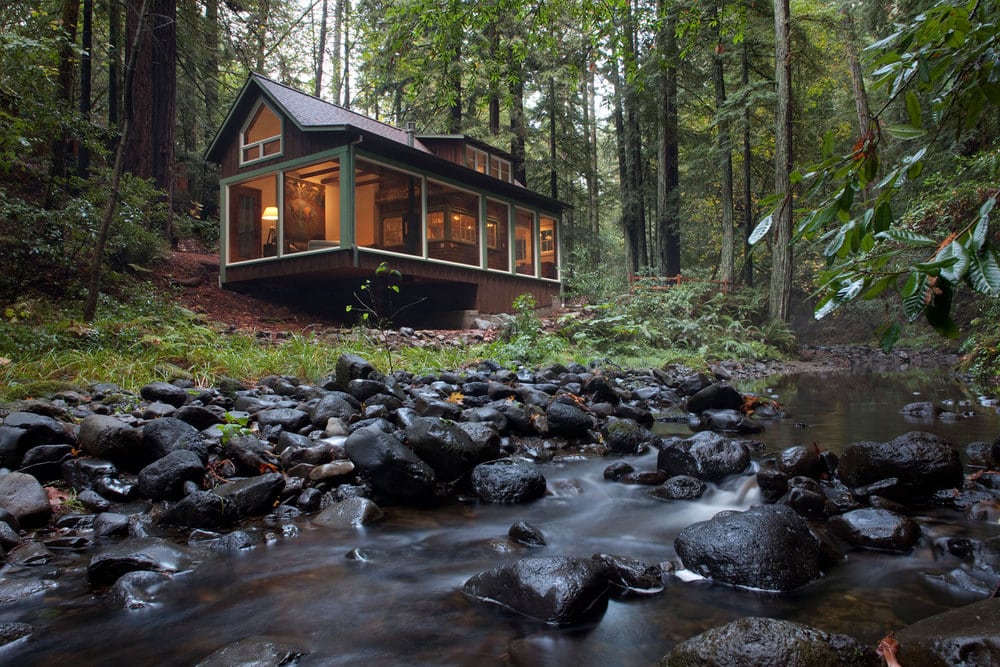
(311, 113)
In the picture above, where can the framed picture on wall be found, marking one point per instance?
(392, 231)
(548, 242)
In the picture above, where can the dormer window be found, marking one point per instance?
(477, 159)
(500, 168)
(261, 137)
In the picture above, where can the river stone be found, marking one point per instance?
(142, 554)
(964, 636)
(349, 513)
(168, 434)
(920, 410)
(447, 448)
(731, 421)
(507, 481)
(393, 469)
(24, 497)
(164, 478)
(201, 509)
(768, 547)
(568, 420)
(680, 487)
(38, 429)
(352, 367)
(12, 631)
(136, 589)
(801, 461)
(253, 652)
(165, 393)
(692, 384)
(555, 590)
(631, 576)
(626, 436)
(922, 462)
(106, 437)
(253, 495)
(199, 416)
(290, 419)
(237, 540)
(880, 529)
(524, 533)
(110, 524)
(84, 473)
(334, 405)
(769, 642)
(44, 462)
(705, 455)
(715, 397)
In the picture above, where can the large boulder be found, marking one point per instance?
(554, 590)
(164, 478)
(879, 529)
(254, 652)
(448, 448)
(106, 437)
(922, 462)
(167, 434)
(769, 642)
(627, 436)
(393, 469)
(705, 455)
(253, 495)
(568, 420)
(964, 636)
(22, 496)
(768, 547)
(507, 481)
(715, 397)
(149, 554)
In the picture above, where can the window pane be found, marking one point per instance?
(311, 218)
(524, 252)
(497, 238)
(251, 231)
(548, 247)
(387, 208)
(459, 213)
(264, 125)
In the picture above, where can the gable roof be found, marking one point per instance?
(312, 114)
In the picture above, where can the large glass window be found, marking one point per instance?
(524, 251)
(311, 215)
(548, 247)
(476, 159)
(253, 216)
(262, 136)
(497, 236)
(387, 205)
(452, 224)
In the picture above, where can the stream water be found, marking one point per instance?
(401, 604)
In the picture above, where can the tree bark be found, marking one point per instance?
(781, 250)
(590, 120)
(858, 88)
(748, 216)
(114, 63)
(320, 52)
(668, 151)
(723, 148)
(86, 68)
(62, 145)
(517, 122)
(553, 172)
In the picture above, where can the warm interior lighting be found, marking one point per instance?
(270, 213)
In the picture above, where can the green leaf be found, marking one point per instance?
(883, 217)
(938, 311)
(913, 109)
(828, 144)
(906, 237)
(761, 230)
(878, 287)
(889, 335)
(934, 268)
(984, 273)
(913, 295)
(956, 271)
(905, 131)
(983, 224)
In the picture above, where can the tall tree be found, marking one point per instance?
(779, 301)
(723, 147)
(320, 50)
(668, 144)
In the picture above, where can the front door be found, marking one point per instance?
(244, 223)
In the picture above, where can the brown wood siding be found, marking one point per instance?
(296, 144)
(485, 291)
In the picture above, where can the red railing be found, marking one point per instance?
(663, 283)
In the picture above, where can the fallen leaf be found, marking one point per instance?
(887, 648)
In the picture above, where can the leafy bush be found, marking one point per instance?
(525, 340)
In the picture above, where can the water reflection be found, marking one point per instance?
(402, 605)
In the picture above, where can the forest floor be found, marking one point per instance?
(190, 277)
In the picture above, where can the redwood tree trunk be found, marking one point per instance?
(781, 249)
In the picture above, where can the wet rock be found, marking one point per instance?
(22, 496)
(136, 589)
(352, 367)
(44, 462)
(253, 495)
(250, 454)
(11, 632)
(805, 495)
(963, 636)
(768, 547)
(730, 421)
(524, 533)
(199, 416)
(631, 576)
(922, 463)
(110, 524)
(618, 470)
(556, 590)
(448, 448)
(769, 642)
(680, 487)
(921, 410)
(38, 429)
(163, 436)
(625, 436)
(715, 397)
(800, 461)
(238, 540)
(254, 652)
(507, 481)
(92, 500)
(568, 420)
(334, 405)
(349, 513)
(880, 529)
(164, 478)
(705, 455)
(165, 393)
(106, 437)
(16, 590)
(692, 384)
(201, 509)
(145, 554)
(288, 419)
(393, 469)
(332, 471)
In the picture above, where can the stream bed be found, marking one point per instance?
(396, 600)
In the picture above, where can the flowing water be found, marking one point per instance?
(401, 604)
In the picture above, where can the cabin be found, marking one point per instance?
(315, 197)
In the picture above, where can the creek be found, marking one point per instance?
(398, 601)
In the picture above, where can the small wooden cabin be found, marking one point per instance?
(315, 197)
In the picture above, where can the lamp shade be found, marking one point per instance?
(270, 213)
